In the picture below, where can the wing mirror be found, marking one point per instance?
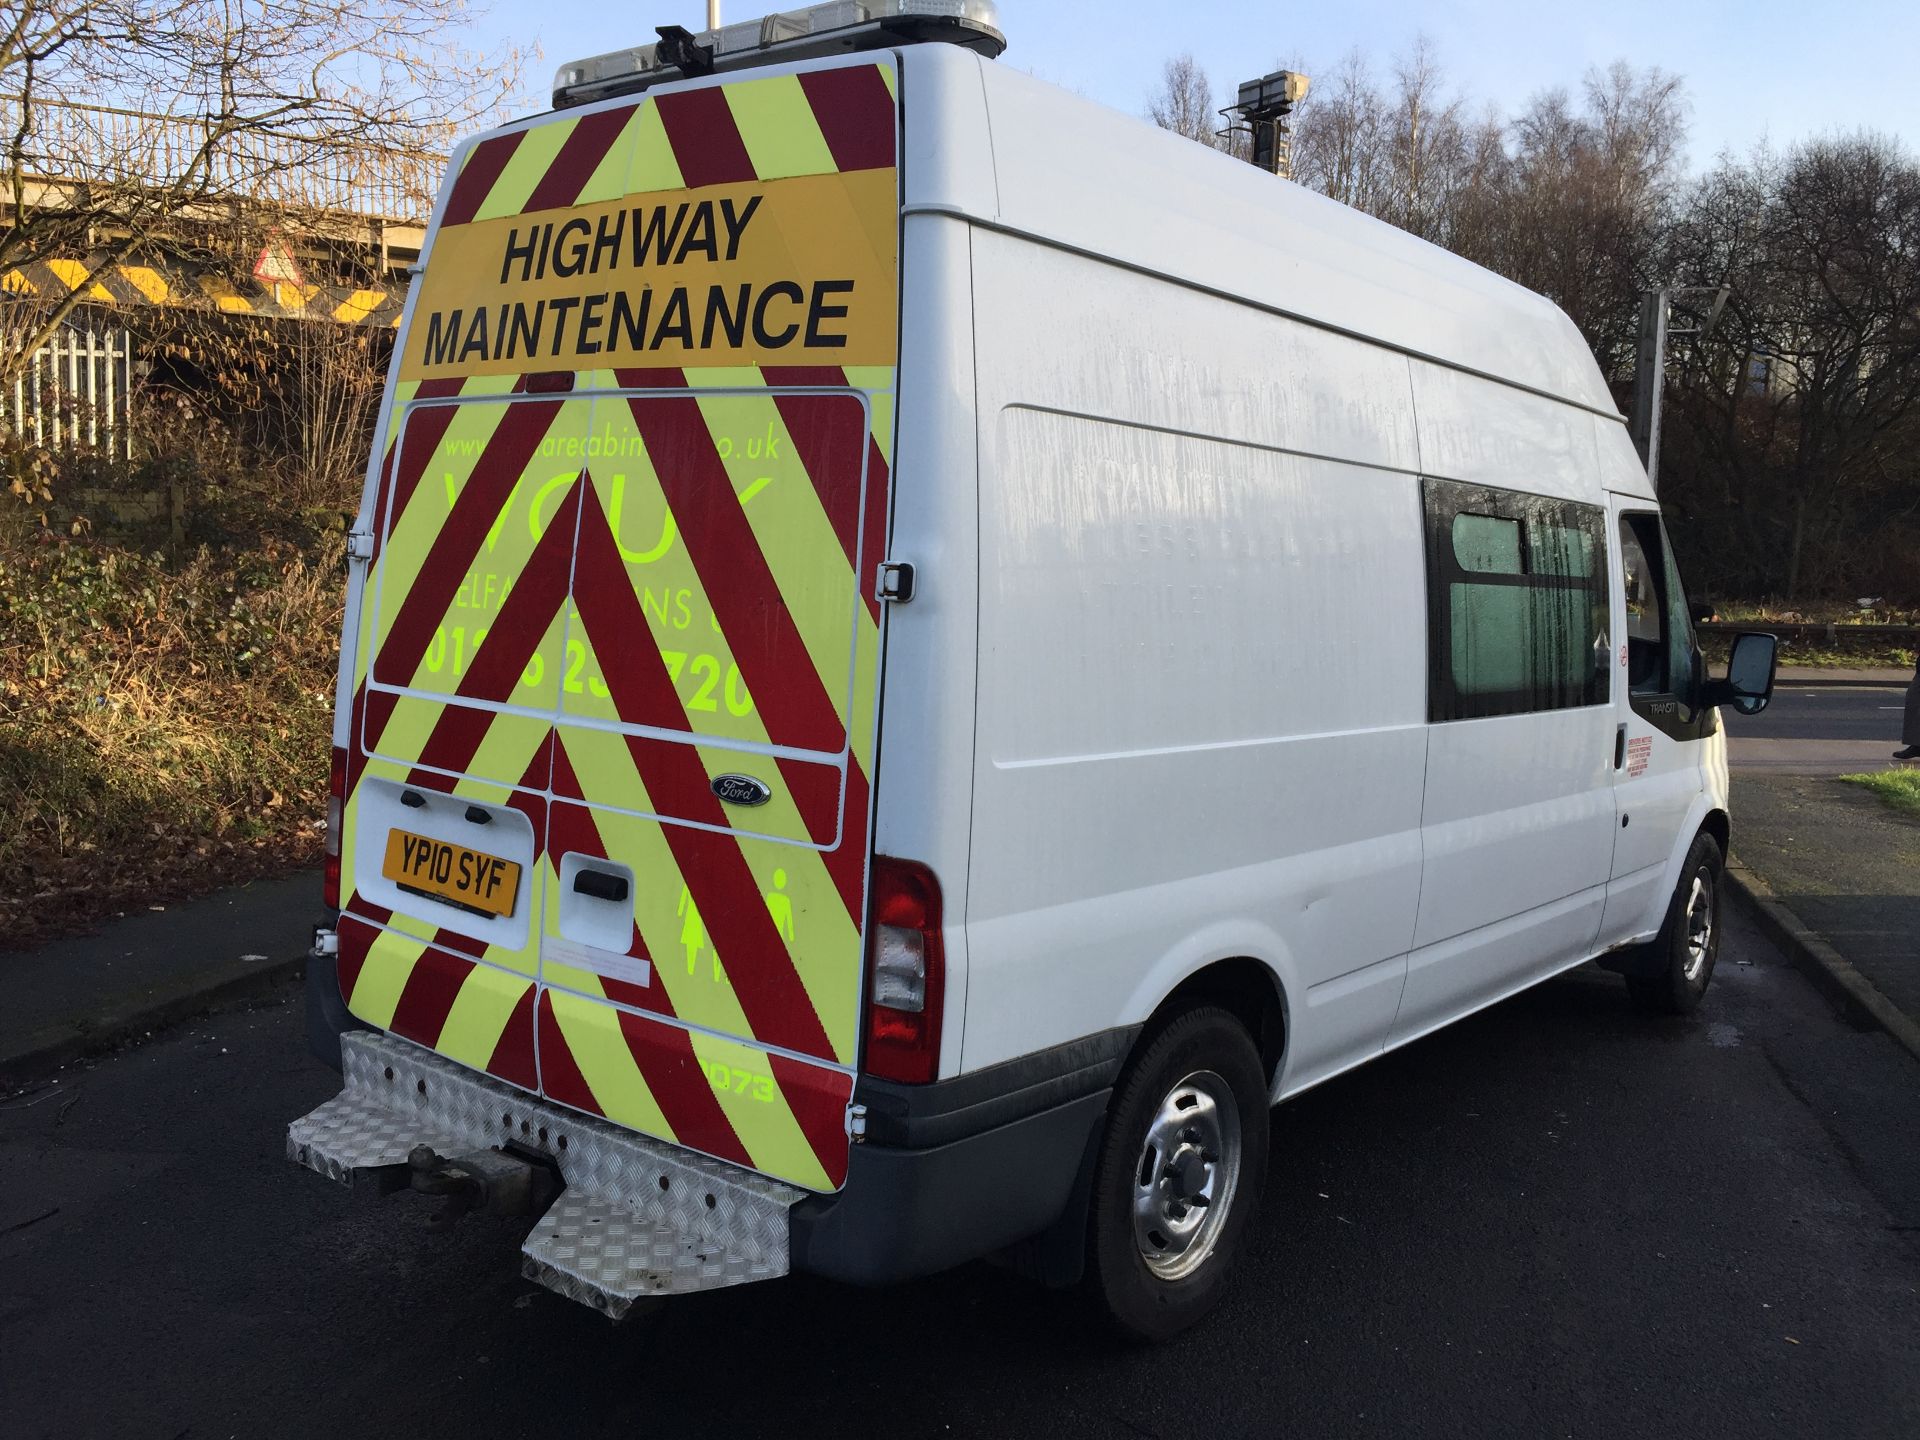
(1750, 674)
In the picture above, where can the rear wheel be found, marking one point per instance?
(1689, 942)
(1179, 1177)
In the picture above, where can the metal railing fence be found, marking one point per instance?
(104, 144)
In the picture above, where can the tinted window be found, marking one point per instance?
(1487, 543)
(1660, 644)
(1646, 615)
(1518, 597)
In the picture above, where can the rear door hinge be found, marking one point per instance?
(894, 581)
(857, 1123)
(359, 544)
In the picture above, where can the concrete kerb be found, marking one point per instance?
(107, 1033)
(1832, 974)
(150, 969)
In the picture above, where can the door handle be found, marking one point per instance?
(1620, 746)
(600, 885)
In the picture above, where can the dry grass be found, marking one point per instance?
(163, 728)
(1846, 657)
(1761, 613)
(1844, 650)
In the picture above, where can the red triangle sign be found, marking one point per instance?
(276, 265)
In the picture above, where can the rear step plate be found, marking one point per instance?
(601, 1254)
(638, 1217)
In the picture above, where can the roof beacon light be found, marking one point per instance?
(836, 28)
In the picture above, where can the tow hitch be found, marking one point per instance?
(499, 1181)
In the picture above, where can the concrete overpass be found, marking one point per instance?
(335, 233)
(326, 236)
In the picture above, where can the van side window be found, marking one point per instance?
(1517, 602)
(1662, 658)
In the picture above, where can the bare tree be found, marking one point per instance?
(1639, 124)
(332, 391)
(1427, 144)
(1476, 210)
(1579, 207)
(1803, 416)
(1340, 137)
(1401, 152)
(1184, 103)
(1793, 450)
(123, 122)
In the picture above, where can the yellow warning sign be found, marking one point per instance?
(794, 271)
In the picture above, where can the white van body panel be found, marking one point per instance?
(1518, 816)
(947, 158)
(1086, 178)
(923, 793)
(1166, 541)
(1621, 472)
(1202, 406)
(1482, 433)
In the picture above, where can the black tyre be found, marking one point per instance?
(1684, 951)
(1179, 1177)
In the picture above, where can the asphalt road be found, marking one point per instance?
(1556, 1218)
(1814, 731)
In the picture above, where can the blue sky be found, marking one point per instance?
(1762, 67)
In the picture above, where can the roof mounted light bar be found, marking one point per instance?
(836, 28)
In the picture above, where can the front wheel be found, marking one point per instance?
(1180, 1174)
(1689, 942)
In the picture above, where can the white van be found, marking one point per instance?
(919, 651)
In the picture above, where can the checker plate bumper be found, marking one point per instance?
(637, 1218)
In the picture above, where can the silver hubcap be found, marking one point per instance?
(1188, 1170)
(1699, 927)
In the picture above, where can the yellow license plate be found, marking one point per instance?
(450, 872)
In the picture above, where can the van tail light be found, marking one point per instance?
(336, 815)
(906, 973)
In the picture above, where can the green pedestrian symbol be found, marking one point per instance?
(693, 933)
(780, 906)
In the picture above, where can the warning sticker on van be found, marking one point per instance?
(1639, 755)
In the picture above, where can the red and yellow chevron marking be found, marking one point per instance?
(749, 507)
(590, 603)
(825, 122)
(471, 1012)
(754, 222)
(735, 1102)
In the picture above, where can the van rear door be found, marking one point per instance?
(701, 954)
(623, 638)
